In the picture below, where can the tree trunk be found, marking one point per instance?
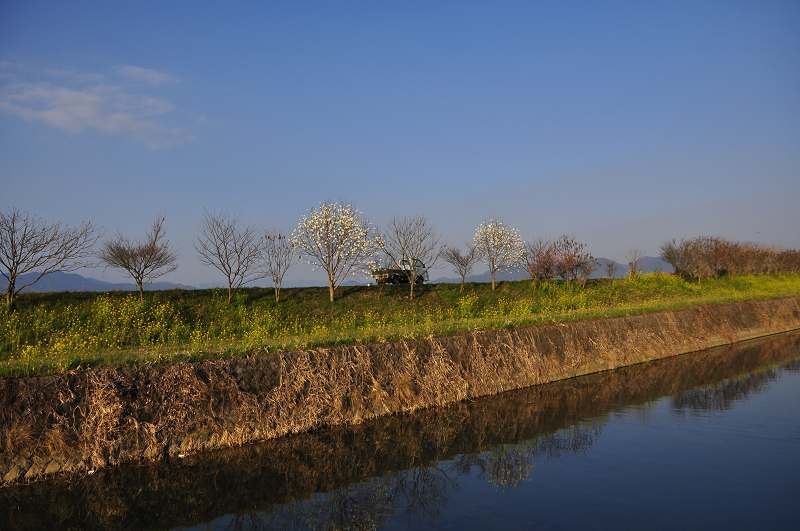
(461, 289)
(140, 287)
(277, 294)
(493, 280)
(330, 290)
(412, 282)
(230, 293)
(10, 295)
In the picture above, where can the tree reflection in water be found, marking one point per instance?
(362, 506)
(792, 366)
(721, 396)
(508, 465)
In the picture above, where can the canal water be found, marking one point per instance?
(708, 440)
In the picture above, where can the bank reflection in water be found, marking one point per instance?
(361, 476)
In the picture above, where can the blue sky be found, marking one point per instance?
(624, 123)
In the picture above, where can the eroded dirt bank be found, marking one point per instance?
(83, 421)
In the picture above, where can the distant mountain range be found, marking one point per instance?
(647, 264)
(75, 282)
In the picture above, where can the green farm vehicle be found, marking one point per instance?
(402, 275)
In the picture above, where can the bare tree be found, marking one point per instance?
(674, 253)
(462, 263)
(708, 257)
(585, 269)
(337, 239)
(633, 256)
(500, 244)
(31, 245)
(231, 249)
(541, 259)
(278, 256)
(144, 261)
(574, 259)
(411, 244)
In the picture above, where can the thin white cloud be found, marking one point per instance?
(78, 102)
(144, 75)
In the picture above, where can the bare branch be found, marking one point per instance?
(462, 263)
(708, 257)
(31, 245)
(409, 242)
(541, 260)
(145, 260)
(277, 255)
(633, 256)
(229, 248)
(575, 262)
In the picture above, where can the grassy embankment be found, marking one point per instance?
(57, 332)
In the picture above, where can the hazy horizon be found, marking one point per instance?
(625, 124)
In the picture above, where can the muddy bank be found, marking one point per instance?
(84, 421)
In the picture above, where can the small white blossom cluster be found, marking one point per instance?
(335, 237)
(500, 244)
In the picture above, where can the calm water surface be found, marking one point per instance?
(702, 441)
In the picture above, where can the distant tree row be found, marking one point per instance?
(336, 239)
(709, 257)
(565, 257)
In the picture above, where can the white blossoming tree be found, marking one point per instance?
(335, 238)
(501, 246)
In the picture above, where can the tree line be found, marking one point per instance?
(709, 257)
(336, 239)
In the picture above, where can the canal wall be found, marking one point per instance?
(86, 420)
